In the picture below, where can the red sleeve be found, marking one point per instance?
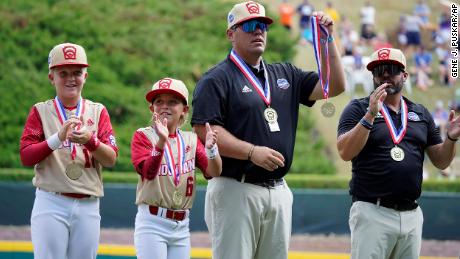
(145, 158)
(105, 131)
(33, 147)
(201, 160)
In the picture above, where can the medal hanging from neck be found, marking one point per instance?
(73, 170)
(176, 171)
(327, 109)
(397, 135)
(270, 114)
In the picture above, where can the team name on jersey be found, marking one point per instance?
(189, 166)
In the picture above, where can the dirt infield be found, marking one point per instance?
(312, 243)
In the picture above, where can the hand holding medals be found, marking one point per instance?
(325, 21)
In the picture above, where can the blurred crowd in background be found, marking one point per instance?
(424, 37)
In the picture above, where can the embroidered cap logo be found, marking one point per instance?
(70, 52)
(164, 83)
(253, 8)
(384, 54)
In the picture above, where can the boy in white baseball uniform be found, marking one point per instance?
(68, 139)
(165, 158)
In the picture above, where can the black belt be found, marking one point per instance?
(268, 183)
(403, 205)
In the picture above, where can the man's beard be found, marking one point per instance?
(393, 89)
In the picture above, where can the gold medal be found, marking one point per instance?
(328, 109)
(74, 171)
(177, 198)
(270, 115)
(397, 153)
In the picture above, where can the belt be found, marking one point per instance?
(268, 183)
(74, 195)
(403, 205)
(177, 215)
(70, 194)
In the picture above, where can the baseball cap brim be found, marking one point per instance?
(375, 63)
(70, 63)
(150, 96)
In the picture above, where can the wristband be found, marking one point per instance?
(366, 124)
(212, 152)
(329, 39)
(250, 152)
(54, 142)
(93, 143)
(451, 139)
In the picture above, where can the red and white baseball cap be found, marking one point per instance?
(168, 86)
(67, 54)
(247, 11)
(387, 56)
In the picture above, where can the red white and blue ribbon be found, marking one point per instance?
(170, 161)
(264, 92)
(316, 29)
(62, 116)
(396, 134)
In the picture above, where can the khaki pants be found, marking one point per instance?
(381, 233)
(248, 221)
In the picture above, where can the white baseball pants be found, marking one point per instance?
(160, 238)
(63, 227)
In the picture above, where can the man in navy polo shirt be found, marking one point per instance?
(255, 106)
(385, 136)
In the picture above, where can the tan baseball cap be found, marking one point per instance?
(168, 86)
(247, 11)
(67, 54)
(387, 56)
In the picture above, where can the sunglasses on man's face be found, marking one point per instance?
(392, 70)
(252, 25)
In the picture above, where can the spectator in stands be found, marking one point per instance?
(381, 42)
(305, 10)
(286, 11)
(444, 57)
(440, 117)
(402, 34)
(356, 72)
(422, 61)
(367, 21)
(413, 25)
(349, 38)
(444, 25)
(423, 11)
(332, 12)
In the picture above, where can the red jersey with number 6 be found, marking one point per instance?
(158, 185)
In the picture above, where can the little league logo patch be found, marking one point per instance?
(231, 17)
(253, 8)
(164, 83)
(282, 83)
(384, 54)
(70, 52)
(412, 116)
